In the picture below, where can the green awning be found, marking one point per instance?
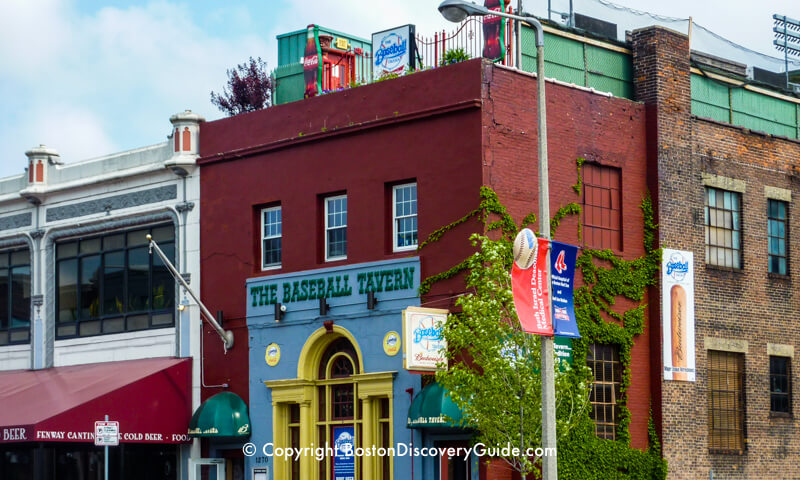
(432, 408)
(222, 417)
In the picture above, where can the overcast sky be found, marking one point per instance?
(92, 77)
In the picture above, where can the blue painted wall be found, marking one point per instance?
(302, 318)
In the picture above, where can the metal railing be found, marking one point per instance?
(468, 36)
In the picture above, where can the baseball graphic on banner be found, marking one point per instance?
(525, 248)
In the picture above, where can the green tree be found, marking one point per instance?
(494, 366)
(249, 89)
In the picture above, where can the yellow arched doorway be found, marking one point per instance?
(332, 390)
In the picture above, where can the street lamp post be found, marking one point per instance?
(456, 11)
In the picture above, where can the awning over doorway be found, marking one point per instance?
(432, 408)
(222, 417)
(150, 398)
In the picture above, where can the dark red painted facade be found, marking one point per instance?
(451, 130)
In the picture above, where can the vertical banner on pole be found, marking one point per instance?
(562, 281)
(531, 297)
(677, 314)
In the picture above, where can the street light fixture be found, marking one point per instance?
(456, 11)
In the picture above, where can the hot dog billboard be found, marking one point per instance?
(677, 314)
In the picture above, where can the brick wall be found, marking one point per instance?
(605, 130)
(745, 305)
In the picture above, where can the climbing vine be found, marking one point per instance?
(489, 205)
(606, 277)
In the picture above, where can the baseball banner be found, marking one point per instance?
(531, 298)
(562, 280)
(677, 314)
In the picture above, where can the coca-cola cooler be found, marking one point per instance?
(318, 59)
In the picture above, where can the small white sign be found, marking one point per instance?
(423, 345)
(392, 51)
(106, 434)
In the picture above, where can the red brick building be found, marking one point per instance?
(735, 420)
(446, 132)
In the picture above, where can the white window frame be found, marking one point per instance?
(264, 237)
(327, 228)
(395, 247)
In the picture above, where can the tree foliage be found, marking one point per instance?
(494, 365)
(249, 89)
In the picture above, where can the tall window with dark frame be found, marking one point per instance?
(336, 228)
(723, 228)
(271, 233)
(15, 297)
(606, 368)
(294, 439)
(776, 234)
(111, 284)
(780, 385)
(726, 402)
(602, 207)
(339, 405)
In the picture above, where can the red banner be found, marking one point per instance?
(531, 297)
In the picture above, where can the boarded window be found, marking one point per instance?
(602, 210)
(726, 402)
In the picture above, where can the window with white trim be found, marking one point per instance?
(271, 232)
(404, 199)
(336, 228)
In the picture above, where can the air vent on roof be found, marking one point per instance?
(596, 26)
(774, 79)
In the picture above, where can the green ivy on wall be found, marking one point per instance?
(606, 277)
(489, 205)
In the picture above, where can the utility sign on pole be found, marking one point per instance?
(106, 434)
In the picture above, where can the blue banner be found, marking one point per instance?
(344, 461)
(562, 281)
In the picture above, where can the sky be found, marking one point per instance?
(93, 77)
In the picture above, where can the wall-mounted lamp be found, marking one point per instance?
(280, 309)
(328, 326)
(323, 307)
(371, 300)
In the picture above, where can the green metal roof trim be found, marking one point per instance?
(223, 416)
(432, 408)
(581, 63)
(737, 106)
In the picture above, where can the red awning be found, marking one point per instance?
(150, 398)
